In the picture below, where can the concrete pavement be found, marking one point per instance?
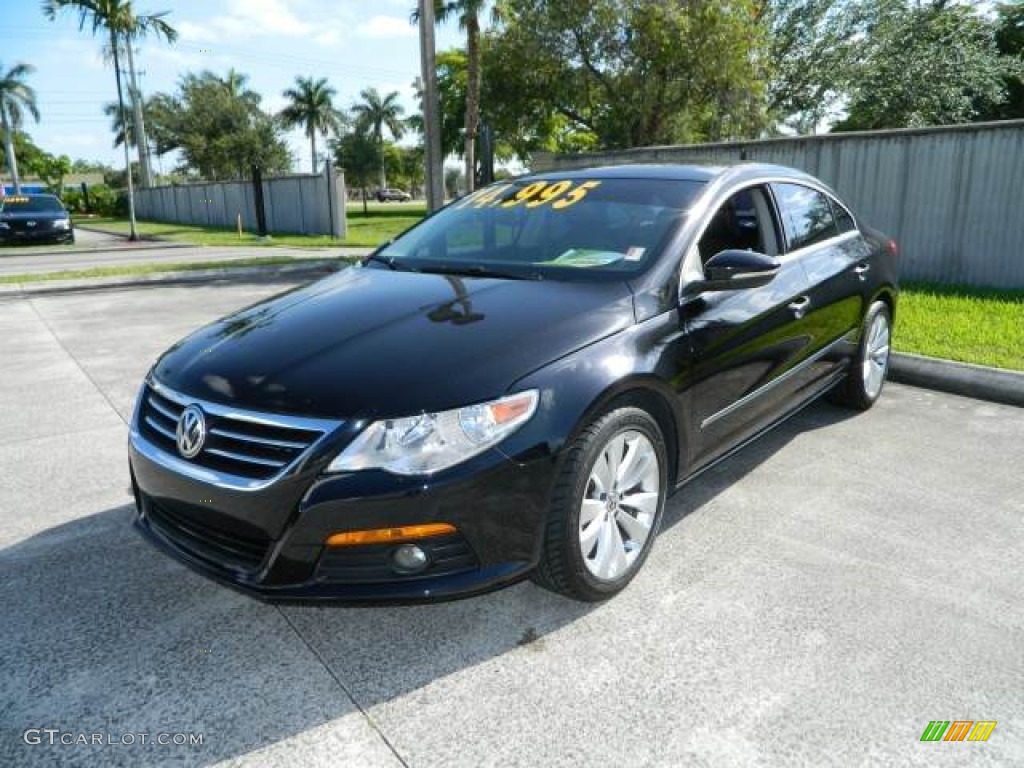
(816, 600)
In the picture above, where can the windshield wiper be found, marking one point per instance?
(479, 270)
(390, 262)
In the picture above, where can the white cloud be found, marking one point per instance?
(327, 38)
(247, 19)
(386, 26)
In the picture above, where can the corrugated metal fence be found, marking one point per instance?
(951, 196)
(297, 204)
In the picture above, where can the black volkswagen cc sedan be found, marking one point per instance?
(512, 387)
(35, 219)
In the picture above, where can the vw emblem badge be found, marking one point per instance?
(191, 432)
(30, 223)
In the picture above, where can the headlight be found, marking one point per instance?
(4, 225)
(430, 442)
(62, 223)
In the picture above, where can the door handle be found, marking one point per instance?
(799, 307)
(862, 269)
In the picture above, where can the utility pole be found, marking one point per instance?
(431, 108)
(145, 172)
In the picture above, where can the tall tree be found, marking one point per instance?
(451, 96)
(375, 113)
(930, 63)
(468, 14)
(121, 25)
(1010, 40)
(312, 109)
(219, 129)
(812, 49)
(113, 111)
(357, 153)
(632, 73)
(16, 98)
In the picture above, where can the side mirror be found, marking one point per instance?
(733, 270)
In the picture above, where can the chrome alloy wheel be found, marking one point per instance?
(620, 504)
(876, 356)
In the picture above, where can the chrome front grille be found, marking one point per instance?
(240, 444)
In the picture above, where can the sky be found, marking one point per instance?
(355, 44)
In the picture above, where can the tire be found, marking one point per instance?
(866, 378)
(584, 560)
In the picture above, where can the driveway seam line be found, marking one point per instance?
(344, 688)
(76, 361)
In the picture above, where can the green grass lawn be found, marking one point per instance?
(972, 325)
(380, 224)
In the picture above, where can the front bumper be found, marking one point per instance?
(270, 541)
(29, 236)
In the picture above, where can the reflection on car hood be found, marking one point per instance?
(372, 343)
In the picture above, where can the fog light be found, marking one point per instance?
(409, 558)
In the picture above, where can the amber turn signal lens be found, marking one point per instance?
(389, 535)
(511, 409)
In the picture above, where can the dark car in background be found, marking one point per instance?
(35, 219)
(392, 195)
(513, 387)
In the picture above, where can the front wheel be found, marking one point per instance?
(606, 507)
(863, 384)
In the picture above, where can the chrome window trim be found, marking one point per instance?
(724, 187)
(216, 478)
(766, 388)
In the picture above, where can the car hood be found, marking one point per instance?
(373, 343)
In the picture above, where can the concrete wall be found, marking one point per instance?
(295, 204)
(952, 196)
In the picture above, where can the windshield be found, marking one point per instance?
(30, 204)
(558, 228)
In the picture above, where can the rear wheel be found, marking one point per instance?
(606, 507)
(863, 384)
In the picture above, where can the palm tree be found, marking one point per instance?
(118, 21)
(375, 113)
(468, 13)
(112, 110)
(235, 83)
(311, 108)
(15, 98)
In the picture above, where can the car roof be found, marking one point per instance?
(677, 172)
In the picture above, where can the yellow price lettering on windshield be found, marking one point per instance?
(550, 193)
(480, 197)
(490, 195)
(524, 194)
(575, 195)
(560, 194)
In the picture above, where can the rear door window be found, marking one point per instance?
(806, 215)
(844, 220)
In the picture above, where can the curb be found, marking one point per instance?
(977, 381)
(310, 270)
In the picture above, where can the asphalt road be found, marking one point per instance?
(96, 249)
(814, 601)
